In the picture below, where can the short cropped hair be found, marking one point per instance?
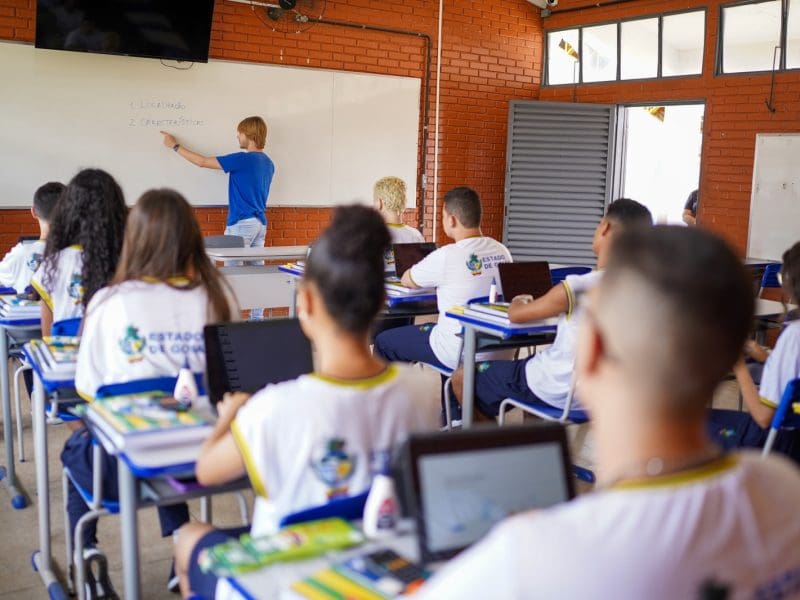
(392, 190)
(629, 212)
(46, 198)
(464, 203)
(691, 302)
(791, 272)
(255, 129)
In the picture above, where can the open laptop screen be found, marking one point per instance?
(407, 255)
(525, 278)
(247, 356)
(463, 487)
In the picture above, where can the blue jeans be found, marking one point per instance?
(253, 232)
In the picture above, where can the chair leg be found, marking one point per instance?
(77, 556)
(18, 406)
(205, 509)
(67, 536)
(446, 392)
(243, 511)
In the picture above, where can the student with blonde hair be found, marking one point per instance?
(389, 199)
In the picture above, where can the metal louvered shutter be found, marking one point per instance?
(560, 159)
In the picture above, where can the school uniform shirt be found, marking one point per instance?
(400, 234)
(19, 265)
(63, 294)
(549, 372)
(250, 177)
(459, 272)
(141, 329)
(731, 524)
(313, 439)
(782, 365)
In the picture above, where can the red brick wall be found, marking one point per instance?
(735, 111)
(491, 53)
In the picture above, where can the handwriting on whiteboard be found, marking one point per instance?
(160, 113)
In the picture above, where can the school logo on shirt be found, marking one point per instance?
(474, 265)
(388, 257)
(132, 344)
(334, 468)
(34, 260)
(75, 289)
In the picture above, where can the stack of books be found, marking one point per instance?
(493, 312)
(395, 288)
(57, 356)
(299, 265)
(12, 307)
(374, 576)
(147, 421)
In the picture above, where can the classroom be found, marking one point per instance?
(528, 144)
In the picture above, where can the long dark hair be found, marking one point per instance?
(91, 213)
(346, 264)
(163, 240)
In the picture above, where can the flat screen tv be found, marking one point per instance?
(167, 29)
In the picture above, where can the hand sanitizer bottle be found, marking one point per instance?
(186, 386)
(381, 512)
(493, 292)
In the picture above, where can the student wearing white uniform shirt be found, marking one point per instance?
(547, 376)
(19, 265)
(389, 199)
(316, 438)
(83, 246)
(459, 272)
(734, 429)
(674, 517)
(144, 325)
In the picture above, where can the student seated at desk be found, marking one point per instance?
(733, 428)
(547, 376)
(459, 272)
(19, 265)
(389, 199)
(146, 324)
(82, 247)
(674, 517)
(316, 438)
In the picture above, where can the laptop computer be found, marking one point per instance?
(521, 278)
(407, 255)
(247, 356)
(460, 484)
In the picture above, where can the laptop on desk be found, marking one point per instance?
(458, 485)
(521, 278)
(407, 255)
(247, 356)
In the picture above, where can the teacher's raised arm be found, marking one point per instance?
(209, 162)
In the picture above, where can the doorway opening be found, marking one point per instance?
(662, 147)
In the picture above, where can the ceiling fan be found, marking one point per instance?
(288, 16)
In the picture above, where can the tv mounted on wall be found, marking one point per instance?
(166, 29)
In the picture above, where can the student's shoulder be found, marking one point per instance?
(775, 472)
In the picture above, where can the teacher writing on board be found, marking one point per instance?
(250, 174)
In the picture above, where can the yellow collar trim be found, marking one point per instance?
(173, 281)
(389, 373)
(76, 247)
(711, 469)
(396, 225)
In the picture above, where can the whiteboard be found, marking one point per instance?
(775, 201)
(331, 134)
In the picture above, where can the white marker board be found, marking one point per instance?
(331, 134)
(775, 201)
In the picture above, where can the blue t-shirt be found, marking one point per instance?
(248, 185)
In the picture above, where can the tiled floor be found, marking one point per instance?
(20, 533)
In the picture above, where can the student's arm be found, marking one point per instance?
(760, 412)
(429, 272)
(47, 319)
(689, 217)
(552, 304)
(407, 281)
(220, 460)
(208, 162)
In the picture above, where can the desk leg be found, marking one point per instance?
(293, 293)
(468, 400)
(18, 499)
(128, 499)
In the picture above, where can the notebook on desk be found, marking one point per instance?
(460, 484)
(521, 278)
(247, 356)
(407, 255)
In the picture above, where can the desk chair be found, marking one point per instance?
(350, 509)
(770, 277)
(223, 241)
(786, 417)
(561, 273)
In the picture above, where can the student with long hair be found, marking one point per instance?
(146, 324)
(321, 436)
(734, 429)
(82, 247)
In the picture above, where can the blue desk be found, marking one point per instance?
(494, 336)
(25, 328)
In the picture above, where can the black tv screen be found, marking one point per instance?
(169, 29)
